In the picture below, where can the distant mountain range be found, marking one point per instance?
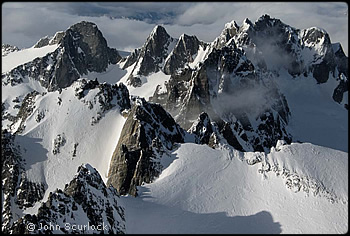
(86, 128)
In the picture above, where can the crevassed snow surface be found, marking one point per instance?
(15, 59)
(231, 196)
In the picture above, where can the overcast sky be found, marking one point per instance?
(126, 25)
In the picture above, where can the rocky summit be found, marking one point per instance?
(81, 49)
(178, 127)
(148, 132)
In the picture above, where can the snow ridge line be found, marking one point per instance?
(293, 181)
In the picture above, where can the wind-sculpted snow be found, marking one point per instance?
(233, 189)
(265, 106)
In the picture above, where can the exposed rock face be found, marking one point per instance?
(342, 63)
(94, 54)
(82, 49)
(86, 196)
(47, 40)
(108, 95)
(340, 90)
(132, 58)
(229, 31)
(274, 44)
(42, 42)
(10, 175)
(341, 59)
(151, 56)
(242, 60)
(148, 131)
(202, 129)
(18, 192)
(7, 48)
(25, 110)
(190, 92)
(183, 53)
(321, 70)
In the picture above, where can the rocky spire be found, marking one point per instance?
(147, 133)
(229, 31)
(183, 52)
(152, 55)
(202, 129)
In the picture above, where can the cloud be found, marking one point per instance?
(253, 100)
(331, 16)
(34, 22)
(127, 25)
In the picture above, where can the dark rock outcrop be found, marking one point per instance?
(218, 86)
(342, 63)
(108, 95)
(148, 130)
(7, 48)
(132, 58)
(12, 166)
(18, 192)
(273, 44)
(42, 42)
(82, 49)
(202, 129)
(190, 92)
(183, 53)
(150, 57)
(25, 110)
(86, 195)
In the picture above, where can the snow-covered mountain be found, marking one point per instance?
(245, 134)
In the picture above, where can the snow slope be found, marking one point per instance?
(112, 74)
(72, 119)
(149, 83)
(315, 116)
(231, 196)
(23, 56)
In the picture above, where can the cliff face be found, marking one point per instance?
(81, 49)
(86, 196)
(147, 133)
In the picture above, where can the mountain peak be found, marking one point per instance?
(265, 17)
(158, 30)
(247, 22)
(86, 24)
(85, 50)
(152, 55)
(232, 25)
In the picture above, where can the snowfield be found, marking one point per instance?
(315, 117)
(294, 188)
(205, 191)
(72, 120)
(112, 74)
(149, 83)
(14, 59)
